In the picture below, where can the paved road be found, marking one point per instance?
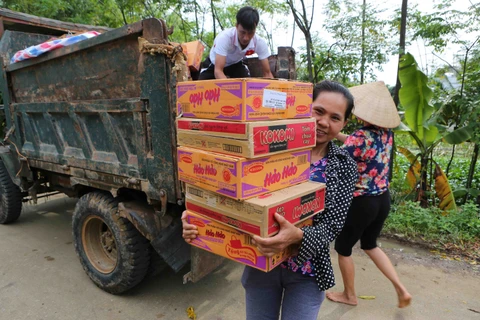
(41, 278)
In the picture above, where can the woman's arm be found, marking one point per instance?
(328, 224)
(341, 137)
(190, 231)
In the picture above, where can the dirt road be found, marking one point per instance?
(41, 278)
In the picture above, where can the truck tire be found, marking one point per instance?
(112, 252)
(10, 197)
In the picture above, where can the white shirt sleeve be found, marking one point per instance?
(263, 51)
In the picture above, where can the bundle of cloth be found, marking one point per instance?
(35, 51)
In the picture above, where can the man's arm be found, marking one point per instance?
(267, 73)
(220, 62)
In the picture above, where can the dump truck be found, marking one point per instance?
(96, 121)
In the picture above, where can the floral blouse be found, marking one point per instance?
(370, 147)
(340, 176)
(317, 173)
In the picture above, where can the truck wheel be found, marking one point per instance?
(112, 252)
(10, 197)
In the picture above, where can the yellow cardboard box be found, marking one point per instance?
(256, 215)
(252, 139)
(242, 178)
(235, 245)
(194, 51)
(244, 99)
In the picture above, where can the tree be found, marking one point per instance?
(422, 125)
(304, 22)
(401, 47)
(448, 25)
(360, 42)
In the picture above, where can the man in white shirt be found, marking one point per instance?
(232, 45)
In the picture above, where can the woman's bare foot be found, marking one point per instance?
(404, 300)
(341, 297)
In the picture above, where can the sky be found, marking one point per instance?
(282, 37)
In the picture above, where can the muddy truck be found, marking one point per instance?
(96, 121)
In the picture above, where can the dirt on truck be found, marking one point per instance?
(96, 120)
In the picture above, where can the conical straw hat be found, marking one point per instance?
(374, 104)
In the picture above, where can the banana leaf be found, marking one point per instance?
(444, 191)
(415, 96)
(459, 135)
(413, 173)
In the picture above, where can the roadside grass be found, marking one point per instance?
(456, 233)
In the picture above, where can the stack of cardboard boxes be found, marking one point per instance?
(244, 154)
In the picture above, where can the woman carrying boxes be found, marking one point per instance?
(297, 287)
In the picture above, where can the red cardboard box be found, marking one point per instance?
(256, 215)
(247, 139)
(235, 245)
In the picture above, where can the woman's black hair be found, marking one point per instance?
(333, 86)
(248, 18)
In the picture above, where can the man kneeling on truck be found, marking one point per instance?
(232, 45)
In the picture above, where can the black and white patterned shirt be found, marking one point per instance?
(341, 174)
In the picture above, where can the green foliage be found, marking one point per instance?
(360, 42)
(413, 221)
(92, 12)
(422, 120)
(401, 189)
(415, 96)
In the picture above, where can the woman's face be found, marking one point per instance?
(329, 110)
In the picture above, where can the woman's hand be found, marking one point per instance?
(190, 231)
(288, 235)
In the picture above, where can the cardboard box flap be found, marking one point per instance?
(286, 194)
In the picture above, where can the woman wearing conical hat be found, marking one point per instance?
(371, 147)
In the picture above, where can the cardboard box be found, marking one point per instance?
(244, 99)
(242, 178)
(194, 51)
(256, 215)
(252, 139)
(235, 245)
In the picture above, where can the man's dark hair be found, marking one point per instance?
(248, 18)
(333, 86)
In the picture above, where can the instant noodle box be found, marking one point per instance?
(256, 215)
(247, 139)
(242, 178)
(244, 99)
(230, 243)
(194, 51)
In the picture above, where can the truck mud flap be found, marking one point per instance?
(172, 247)
(202, 263)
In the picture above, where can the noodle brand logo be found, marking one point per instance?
(291, 101)
(235, 250)
(228, 110)
(253, 168)
(227, 176)
(208, 170)
(302, 108)
(268, 137)
(210, 95)
(197, 221)
(276, 176)
(257, 103)
(307, 208)
(186, 158)
(196, 125)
